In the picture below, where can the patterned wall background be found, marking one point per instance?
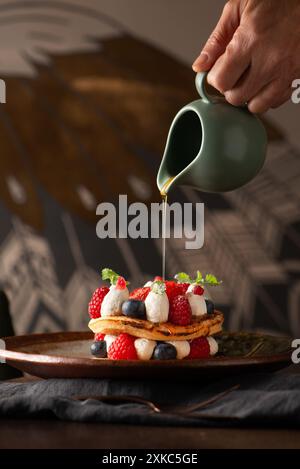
(88, 110)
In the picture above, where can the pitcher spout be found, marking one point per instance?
(182, 148)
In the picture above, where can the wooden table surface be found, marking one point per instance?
(42, 433)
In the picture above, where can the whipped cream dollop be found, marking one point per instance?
(197, 302)
(112, 302)
(157, 307)
(148, 284)
(144, 348)
(109, 339)
(182, 347)
(213, 345)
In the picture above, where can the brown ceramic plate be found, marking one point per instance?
(67, 355)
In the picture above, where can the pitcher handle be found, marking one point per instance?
(206, 91)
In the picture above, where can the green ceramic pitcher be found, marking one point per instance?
(212, 145)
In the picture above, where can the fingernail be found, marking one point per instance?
(200, 61)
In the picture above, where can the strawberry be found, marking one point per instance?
(140, 293)
(199, 348)
(180, 312)
(98, 337)
(96, 302)
(122, 348)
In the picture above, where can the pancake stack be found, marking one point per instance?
(162, 320)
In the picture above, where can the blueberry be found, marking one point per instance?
(98, 349)
(164, 351)
(209, 306)
(134, 309)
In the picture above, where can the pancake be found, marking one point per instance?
(206, 325)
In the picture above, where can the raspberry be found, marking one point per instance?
(197, 290)
(174, 289)
(199, 348)
(180, 312)
(182, 287)
(96, 302)
(121, 283)
(98, 337)
(140, 293)
(122, 348)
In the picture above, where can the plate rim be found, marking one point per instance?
(68, 336)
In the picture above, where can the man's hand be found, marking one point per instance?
(254, 52)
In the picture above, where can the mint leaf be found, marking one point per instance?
(199, 277)
(209, 279)
(212, 280)
(182, 277)
(108, 274)
(158, 287)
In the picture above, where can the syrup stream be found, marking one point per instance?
(164, 197)
(164, 220)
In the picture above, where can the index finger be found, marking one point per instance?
(219, 39)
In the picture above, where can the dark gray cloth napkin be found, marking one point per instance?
(263, 399)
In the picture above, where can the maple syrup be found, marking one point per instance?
(164, 197)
